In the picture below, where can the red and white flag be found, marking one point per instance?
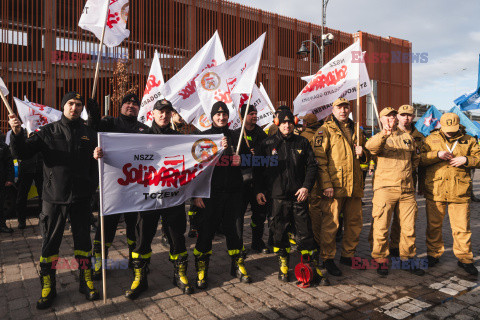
(93, 19)
(220, 82)
(34, 115)
(152, 91)
(142, 172)
(180, 90)
(3, 87)
(337, 79)
(258, 100)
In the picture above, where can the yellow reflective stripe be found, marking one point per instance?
(48, 259)
(136, 255)
(233, 252)
(129, 242)
(81, 253)
(253, 225)
(307, 252)
(275, 249)
(191, 213)
(96, 242)
(175, 256)
(198, 253)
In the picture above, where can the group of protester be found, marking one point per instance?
(309, 181)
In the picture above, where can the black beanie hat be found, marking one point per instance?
(286, 115)
(72, 95)
(130, 97)
(218, 107)
(281, 108)
(244, 108)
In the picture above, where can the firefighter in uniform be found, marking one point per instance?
(405, 117)
(70, 179)
(336, 148)
(286, 181)
(253, 137)
(126, 122)
(448, 155)
(397, 158)
(224, 207)
(173, 219)
(273, 128)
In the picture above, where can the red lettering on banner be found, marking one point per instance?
(167, 176)
(321, 81)
(151, 83)
(112, 19)
(190, 88)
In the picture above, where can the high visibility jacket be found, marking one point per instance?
(339, 167)
(444, 182)
(396, 157)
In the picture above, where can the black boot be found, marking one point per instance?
(192, 219)
(383, 269)
(332, 268)
(432, 261)
(394, 252)
(86, 283)
(180, 274)
(237, 268)
(320, 277)
(283, 262)
(97, 266)
(469, 268)
(201, 267)
(140, 282)
(48, 282)
(131, 248)
(257, 242)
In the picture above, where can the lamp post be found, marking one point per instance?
(304, 50)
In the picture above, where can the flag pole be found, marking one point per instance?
(242, 131)
(100, 51)
(10, 111)
(358, 113)
(102, 223)
(376, 110)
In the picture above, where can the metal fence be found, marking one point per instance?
(44, 54)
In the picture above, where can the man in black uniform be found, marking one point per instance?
(287, 182)
(7, 176)
(70, 179)
(28, 171)
(253, 137)
(224, 207)
(173, 220)
(126, 122)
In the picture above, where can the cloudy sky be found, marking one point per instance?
(448, 31)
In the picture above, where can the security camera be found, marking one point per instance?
(327, 39)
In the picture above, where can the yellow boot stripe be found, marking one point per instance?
(198, 253)
(130, 242)
(81, 253)
(48, 259)
(233, 252)
(253, 225)
(191, 213)
(136, 255)
(175, 256)
(275, 250)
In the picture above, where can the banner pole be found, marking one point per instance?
(10, 111)
(242, 131)
(100, 51)
(376, 110)
(102, 228)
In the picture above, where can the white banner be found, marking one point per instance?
(34, 115)
(93, 19)
(337, 79)
(142, 172)
(3, 87)
(180, 90)
(152, 91)
(218, 83)
(264, 111)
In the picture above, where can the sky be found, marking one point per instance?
(448, 31)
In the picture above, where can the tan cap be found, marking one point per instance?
(387, 111)
(340, 101)
(309, 119)
(450, 122)
(406, 109)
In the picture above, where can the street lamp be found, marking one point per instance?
(304, 50)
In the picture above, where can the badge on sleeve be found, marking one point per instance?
(318, 141)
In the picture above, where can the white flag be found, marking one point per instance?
(3, 87)
(34, 115)
(180, 90)
(152, 91)
(337, 79)
(264, 111)
(143, 172)
(218, 83)
(93, 19)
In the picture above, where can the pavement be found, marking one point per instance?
(445, 292)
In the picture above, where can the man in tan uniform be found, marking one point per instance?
(393, 185)
(448, 155)
(405, 118)
(336, 147)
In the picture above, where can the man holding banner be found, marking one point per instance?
(126, 122)
(224, 207)
(71, 178)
